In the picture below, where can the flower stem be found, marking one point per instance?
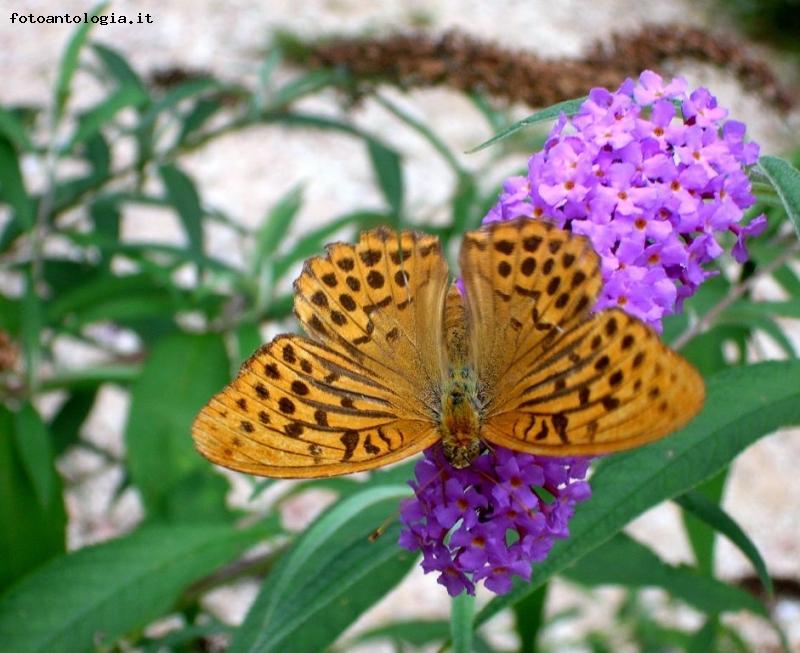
(462, 612)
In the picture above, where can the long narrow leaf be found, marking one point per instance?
(107, 590)
(388, 173)
(275, 225)
(568, 107)
(624, 561)
(14, 130)
(183, 195)
(742, 405)
(12, 186)
(118, 67)
(69, 61)
(91, 121)
(32, 531)
(182, 372)
(709, 512)
(33, 445)
(786, 180)
(328, 578)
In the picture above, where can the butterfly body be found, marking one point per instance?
(460, 418)
(399, 359)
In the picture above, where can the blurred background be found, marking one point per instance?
(365, 116)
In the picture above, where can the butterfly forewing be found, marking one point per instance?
(380, 303)
(364, 393)
(556, 379)
(525, 282)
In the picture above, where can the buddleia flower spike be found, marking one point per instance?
(651, 187)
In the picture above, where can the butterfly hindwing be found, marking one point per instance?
(299, 409)
(607, 384)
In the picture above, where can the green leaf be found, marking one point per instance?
(63, 275)
(464, 202)
(33, 530)
(12, 186)
(713, 515)
(10, 314)
(788, 280)
(65, 427)
(85, 600)
(275, 226)
(702, 536)
(33, 445)
(786, 180)
(265, 72)
(530, 618)
(568, 107)
(31, 330)
(14, 131)
(439, 146)
(106, 216)
(462, 612)
(313, 242)
(417, 633)
(307, 84)
(197, 116)
(182, 194)
(770, 309)
(69, 61)
(180, 376)
(70, 191)
(389, 174)
(705, 637)
(329, 577)
(108, 298)
(177, 95)
(91, 121)
(742, 405)
(88, 378)
(248, 339)
(624, 561)
(118, 67)
(706, 351)
(761, 322)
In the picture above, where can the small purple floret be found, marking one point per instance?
(489, 521)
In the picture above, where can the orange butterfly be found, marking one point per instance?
(398, 360)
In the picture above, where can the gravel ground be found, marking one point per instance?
(247, 172)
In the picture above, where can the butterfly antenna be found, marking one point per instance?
(374, 535)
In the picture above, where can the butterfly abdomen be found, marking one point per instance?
(460, 420)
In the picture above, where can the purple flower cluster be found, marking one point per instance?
(651, 176)
(650, 185)
(491, 520)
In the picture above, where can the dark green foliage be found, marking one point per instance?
(316, 583)
(775, 21)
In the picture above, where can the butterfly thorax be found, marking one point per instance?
(460, 422)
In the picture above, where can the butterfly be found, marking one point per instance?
(398, 359)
